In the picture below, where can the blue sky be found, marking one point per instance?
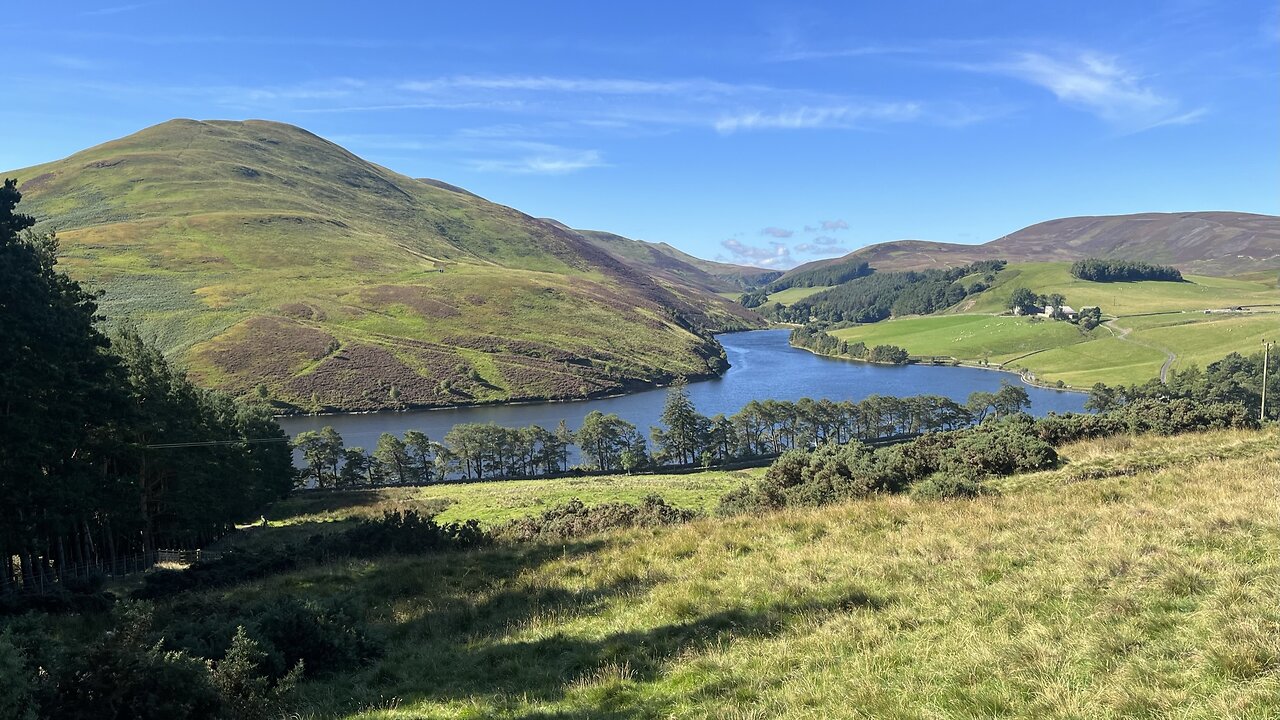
(768, 133)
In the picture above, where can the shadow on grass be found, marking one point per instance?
(466, 650)
(314, 503)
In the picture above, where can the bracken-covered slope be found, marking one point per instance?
(1202, 243)
(270, 260)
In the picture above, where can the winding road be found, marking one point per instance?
(1122, 333)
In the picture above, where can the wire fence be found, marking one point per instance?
(46, 575)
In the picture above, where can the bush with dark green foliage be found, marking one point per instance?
(949, 464)
(574, 519)
(945, 486)
(133, 671)
(320, 638)
(247, 692)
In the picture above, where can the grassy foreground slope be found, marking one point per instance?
(1153, 321)
(260, 254)
(1137, 581)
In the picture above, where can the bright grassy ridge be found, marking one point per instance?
(966, 337)
(495, 502)
(1122, 298)
(1146, 594)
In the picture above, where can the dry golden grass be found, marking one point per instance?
(1151, 593)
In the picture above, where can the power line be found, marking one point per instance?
(212, 443)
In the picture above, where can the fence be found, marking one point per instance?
(47, 575)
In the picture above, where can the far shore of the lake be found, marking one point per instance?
(954, 363)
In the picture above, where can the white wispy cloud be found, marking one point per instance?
(821, 248)
(560, 162)
(599, 86)
(777, 232)
(857, 51)
(805, 117)
(1099, 84)
(114, 9)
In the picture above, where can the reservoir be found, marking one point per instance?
(762, 366)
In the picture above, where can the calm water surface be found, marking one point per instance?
(762, 366)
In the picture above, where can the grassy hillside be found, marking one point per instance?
(795, 294)
(1205, 243)
(1146, 593)
(258, 253)
(966, 337)
(1198, 293)
(1156, 325)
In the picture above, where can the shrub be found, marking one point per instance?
(17, 690)
(943, 486)
(574, 519)
(322, 639)
(948, 464)
(125, 674)
(246, 691)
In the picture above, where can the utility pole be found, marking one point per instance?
(1266, 360)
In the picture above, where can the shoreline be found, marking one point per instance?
(639, 387)
(958, 363)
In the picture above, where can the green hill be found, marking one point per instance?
(1155, 326)
(268, 259)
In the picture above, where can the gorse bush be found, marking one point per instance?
(949, 464)
(131, 671)
(574, 519)
(1146, 415)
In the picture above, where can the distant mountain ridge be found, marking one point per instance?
(664, 261)
(272, 261)
(1202, 243)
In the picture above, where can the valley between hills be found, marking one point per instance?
(275, 264)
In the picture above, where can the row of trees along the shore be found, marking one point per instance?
(108, 452)
(607, 443)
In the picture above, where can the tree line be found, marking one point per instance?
(608, 443)
(108, 450)
(1098, 270)
(1234, 380)
(878, 296)
(825, 275)
(814, 338)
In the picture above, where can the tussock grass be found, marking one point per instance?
(1149, 594)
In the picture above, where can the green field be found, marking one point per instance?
(967, 337)
(1147, 593)
(1121, 298)
(1131, 349)
(795, 294)
(498, 501)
